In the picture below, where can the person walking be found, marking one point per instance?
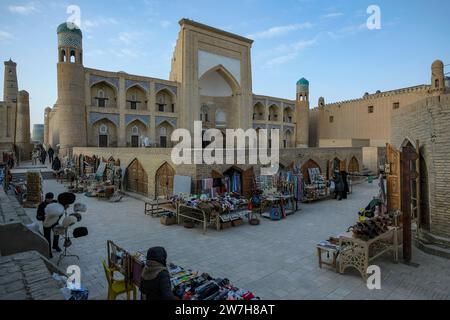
(51, 153)
(35, 156)
(43, 156)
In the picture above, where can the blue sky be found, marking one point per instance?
(323, 41)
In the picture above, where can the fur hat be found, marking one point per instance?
(69, 221)
(52, 214)
(66, 198)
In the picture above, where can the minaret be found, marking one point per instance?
(10, 86)
(23, 119)
(47, 126)
(71, 108)
(302, 114)
(437, 75)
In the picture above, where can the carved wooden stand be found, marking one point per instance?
(357, 253)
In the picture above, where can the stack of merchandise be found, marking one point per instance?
(317, 189)
(34, 188)
(371, 228)
(188, 285)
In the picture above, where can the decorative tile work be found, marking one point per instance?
(129, 118)
(69, 40)
(259, 126)
(172, 121)
(94, 79)
(273, 126)
(160, 86)
(143, 84)
(97, 116)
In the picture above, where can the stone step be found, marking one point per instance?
(432, 249)
(430, 238)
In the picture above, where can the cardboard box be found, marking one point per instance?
(225, 225)
(237, 222)
(168, 221)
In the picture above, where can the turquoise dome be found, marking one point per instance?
(64, 28)
(303, 82)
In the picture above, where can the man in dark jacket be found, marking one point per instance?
(338, 186)
(49, 198)
(344, 176)
(155, 279)
(50, 152)
(56, 165)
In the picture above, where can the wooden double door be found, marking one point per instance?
(164, 181)
(137, 178)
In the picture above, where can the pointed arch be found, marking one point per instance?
(310, 164)
(103, 94)
(353, 166)
(136, 178)
(229, 78)
(274, 111)
(259, 111)
(136, 97)
(165, 100)
(164, 178)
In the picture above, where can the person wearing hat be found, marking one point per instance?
(49, 198)
(155, 278)
(53, 213)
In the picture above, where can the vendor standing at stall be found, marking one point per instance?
(155, 279)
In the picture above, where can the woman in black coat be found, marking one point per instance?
(155, 279)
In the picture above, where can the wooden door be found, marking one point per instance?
(134, 141)
(353, 166)
(393, 178)
(137, 178)
(103, 141)
(343, 165)
(164, 181)
(248, 182)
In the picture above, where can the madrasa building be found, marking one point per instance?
(131, 118)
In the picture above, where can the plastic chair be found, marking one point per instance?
(117, 287)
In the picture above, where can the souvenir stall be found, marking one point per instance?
(34, 189)
(222, 212)
(376, 233)
(278, 195)
(317, 189)
(186, 284)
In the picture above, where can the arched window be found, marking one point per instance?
(101, 101)
(72, 56)
(204, 113)
(135, 137)
(135, 130)
(103, 129)
(221, 118)
(62, 56)
(436, 83)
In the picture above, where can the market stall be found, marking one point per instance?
(220, 212)
(186, 284)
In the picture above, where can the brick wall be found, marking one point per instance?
(428, 121)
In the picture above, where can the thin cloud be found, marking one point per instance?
(279, 31)
(5, 35)
(347, 31)
(165, 23)
(23, 9)
(290, 52)
(98, 22)
(127, 38)
(332, 15)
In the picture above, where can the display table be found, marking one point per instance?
(286, 203)
(358, 253)
(157, 207)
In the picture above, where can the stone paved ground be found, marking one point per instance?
(275, 260)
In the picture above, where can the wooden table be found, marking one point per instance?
(358, 253)
(335, 253)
